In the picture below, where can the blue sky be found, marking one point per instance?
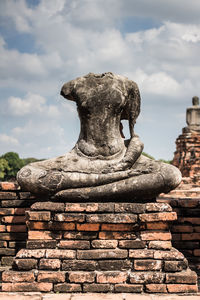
(45, 43)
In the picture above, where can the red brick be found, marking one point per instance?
(13, 219)
(160, 245)
(69, 217)
(182, 228)
(27, 287)
(49, 264)
(81, 207)
(61, 253)
(195, 221)
(156, 288)
(74, 244)
(117, 227)
(6, 186)
(128, 288)
(188, 203)
(114, 265)
(101, 254)
(132, 244)
(26, 196)
(147, 277)
(157, 217)
(51, 206)
(2, 228)
(67, 288)
(16, 276)
(88, 227)
(106, 235)
(196, 228)
(167, 255)
(147, 265)
(111, 218)
(190, 236)
(7, 251)
(137, 208)
(155, 236)
(182, 288)
(8, 195)
(16, 228)
(175, 266)
(31, 253)
(196, 252)
(141, 253)
(54, 277)
(80, 235)
(38, 215)
(20, 210)
(41, 244)
(109, 244)
(7, 211)
(25, 264)
(96, 288)
(81, 277)
(188, 277)
(43, 235)
(157, 225)
(112, 277)
(51, 226)
(152, 207)
(80, 265)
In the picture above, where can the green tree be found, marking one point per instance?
(4, 168)
(15, 163)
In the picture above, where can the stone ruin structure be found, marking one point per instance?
(187, 155)
(185, 198)
(95, 225)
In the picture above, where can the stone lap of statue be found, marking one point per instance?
(101, 165)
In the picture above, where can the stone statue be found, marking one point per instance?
(193, 116)
(102, 165)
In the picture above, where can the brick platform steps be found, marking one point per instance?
(100, 247)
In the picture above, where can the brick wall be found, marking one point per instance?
(13, 231)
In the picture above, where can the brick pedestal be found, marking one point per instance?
(100, 247)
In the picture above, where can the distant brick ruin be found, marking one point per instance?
(187, 155)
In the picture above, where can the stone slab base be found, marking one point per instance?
(100, 247)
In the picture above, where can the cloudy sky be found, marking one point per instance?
(45, 43)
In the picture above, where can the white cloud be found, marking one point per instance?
(31, 104)
(8, 140)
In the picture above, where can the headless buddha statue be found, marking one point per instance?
(101, 164)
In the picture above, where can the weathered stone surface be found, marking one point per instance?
(25, 264)
(49, 264)
(82, 277)
(147, 277)
(112, 277)
(101, 254)
(108, 265)
(112, 169)
(13, 276)
(175, 266)
(54, 277)
(80, 265)
(147, 265)
(137, 244)
(49, 205)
